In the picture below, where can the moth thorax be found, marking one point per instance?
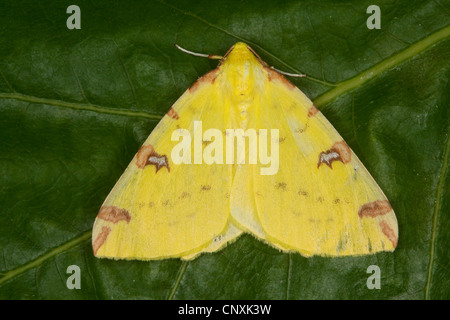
(243, 110)
(241, 79)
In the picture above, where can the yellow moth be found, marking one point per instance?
(244, 150)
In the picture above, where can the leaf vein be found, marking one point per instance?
(41, 259)
(126, 72)
(180, 275)
(79, 106)
(437, 207)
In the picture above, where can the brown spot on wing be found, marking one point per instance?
(143, 154)
(184, 195)
(281, 185)
(158, 161)
(272, 74)
(373, 209)
(205, 187)
(172, 113)
(101, 238)
(389, 233)
(206, 142)
(328, 157)
(312, 111)
(148, 156)
(344, 151)
(114, 214)
(208, 77)
(340, 151)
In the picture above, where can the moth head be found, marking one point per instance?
(241, 53)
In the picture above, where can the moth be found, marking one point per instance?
(244, 150)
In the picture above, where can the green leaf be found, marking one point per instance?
(77, 104)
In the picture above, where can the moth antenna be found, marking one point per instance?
(289, 74)
(209, 56)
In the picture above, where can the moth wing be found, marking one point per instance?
(321, 200)
(159, 209)
(231, 233)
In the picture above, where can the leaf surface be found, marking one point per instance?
(77, 104)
